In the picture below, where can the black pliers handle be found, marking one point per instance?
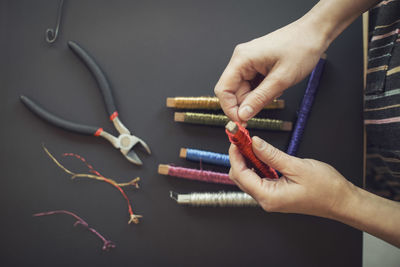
(125, 141)
(60, 122)
(99, 76)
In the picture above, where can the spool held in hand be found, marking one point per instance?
(240, 137)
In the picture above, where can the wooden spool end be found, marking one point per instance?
(179, 116)
(287, 126)
(280, 103)
(163, 169)
(170, 102)
(231, 127)
(182, 153)
(324, 56)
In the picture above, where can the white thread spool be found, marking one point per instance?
(220, 199)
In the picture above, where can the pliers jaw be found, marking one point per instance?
(127, 142)
(131, 155)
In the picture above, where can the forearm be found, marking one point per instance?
(360, 209)
(370, 213)
(331, 17)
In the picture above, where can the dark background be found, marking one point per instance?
(151, 50)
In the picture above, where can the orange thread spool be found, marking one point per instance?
(240, 137)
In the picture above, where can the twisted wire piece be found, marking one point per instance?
(219, 199)
(97, 175)
(133, 218)
(107, 244)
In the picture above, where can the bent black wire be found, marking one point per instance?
(52, 34)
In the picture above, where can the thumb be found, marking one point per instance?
(275, 158)
(270, 88)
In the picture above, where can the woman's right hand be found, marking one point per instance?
(307, 186)
(284, 57)
(315, 188)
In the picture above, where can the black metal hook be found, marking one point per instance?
(52, 34)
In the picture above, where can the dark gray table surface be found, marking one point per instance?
(151, 50)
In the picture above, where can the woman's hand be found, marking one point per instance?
(307, 186)
(284, 58)
(315, 188)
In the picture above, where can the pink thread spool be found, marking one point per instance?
(194, 174)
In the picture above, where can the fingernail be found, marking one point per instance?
(259, 143)
(245, 112)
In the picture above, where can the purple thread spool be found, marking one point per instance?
(305, 107)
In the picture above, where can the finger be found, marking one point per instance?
(245, 178)
(276, 159)
(243, 91)
(241, 94)
(226, 88)
(265, 92)
(231, 176)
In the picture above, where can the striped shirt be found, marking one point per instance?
(382, 100)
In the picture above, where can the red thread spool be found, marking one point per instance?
(240, 137)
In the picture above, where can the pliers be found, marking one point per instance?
(124, 142)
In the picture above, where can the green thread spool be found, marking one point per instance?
(222, 120)
(207, 119)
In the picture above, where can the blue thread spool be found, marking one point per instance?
(305, 106)
(205, 156)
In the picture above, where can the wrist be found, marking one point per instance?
(328, 19)
(318, 30)
(348, 197)
(363, 210)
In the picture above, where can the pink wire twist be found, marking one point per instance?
(107, 244)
